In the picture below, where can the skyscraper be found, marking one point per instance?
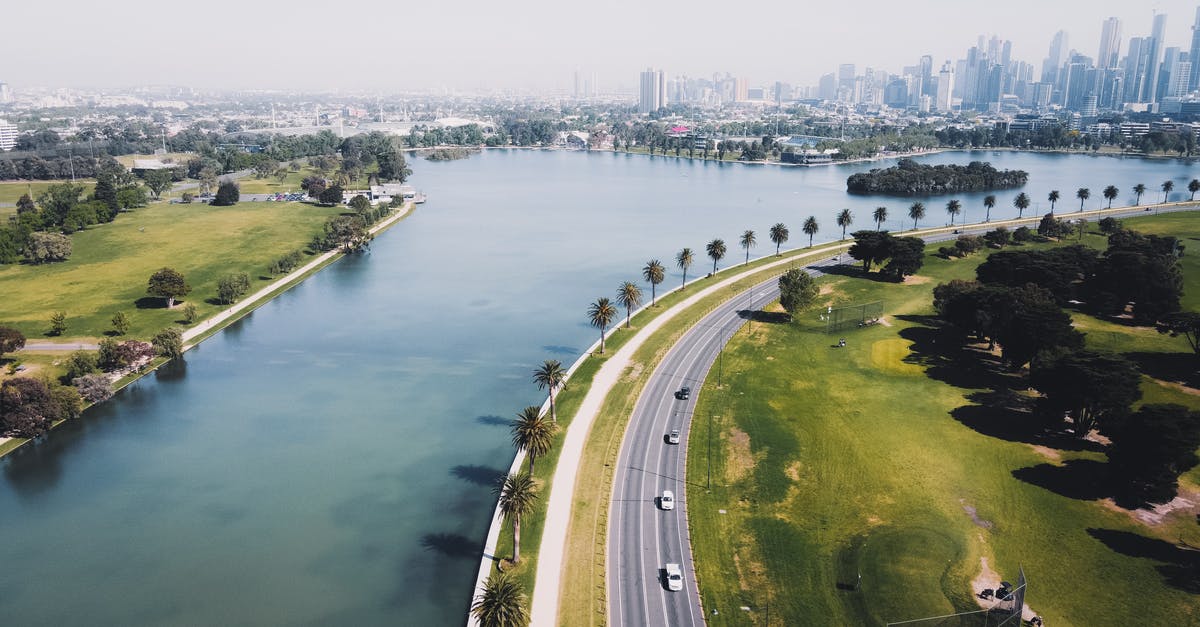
(1194, 56)
(1154, 58)
(1056, 58)
(653, 93)
(1110, 43)
(945, 87)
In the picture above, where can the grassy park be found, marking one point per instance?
(110, 265)
(883, 459)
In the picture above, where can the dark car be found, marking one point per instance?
(684, 393)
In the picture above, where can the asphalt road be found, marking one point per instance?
(642, 537)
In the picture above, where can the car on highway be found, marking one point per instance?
(667, 500)
(684, 393)
(673, 437)
(674, 577)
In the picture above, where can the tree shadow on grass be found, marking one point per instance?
(150, 302)
(946, 359)
(1008, 415)
(1082, 479)
(479, 475)
(451, 545)
(771, 317)
(1175, 367)
(1180, 566)
(855, 271)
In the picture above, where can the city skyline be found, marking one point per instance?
(533, 46)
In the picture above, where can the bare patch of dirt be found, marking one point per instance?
(635, 371)
(793, 471)
(970, 510)
(1187, 502)
(1050, 454)
(916, 279)
(884, 321)
(826, 290)
(874, 521)
(989, 579)
(751, 574)
(740, 461)
(1178, 387)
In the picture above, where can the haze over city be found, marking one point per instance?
(532, 45)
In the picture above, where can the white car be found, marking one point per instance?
(674, 577)
(673, 437)
(667, 500)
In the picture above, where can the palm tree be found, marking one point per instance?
(779, 235)
(845, 219)
(1138, 189)
(989, 201)
(747, 241)
(1167, 186)
(1082, 194)
(1111, 192)
(1193, 187)
(601, 314)
(810, 228)
(880, 215)
(551, 375)
(629, 295)
(653, 273)
(501, 603)
(1053, 198)
(518, 494)
(916, 211)
(1021, 202)
(716, 250)
(533, 434)
(684, 260)
(953, 207)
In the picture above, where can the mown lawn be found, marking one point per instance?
(11, 191)
(891, 460)
(111, 263)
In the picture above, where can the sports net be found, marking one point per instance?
(852, 316)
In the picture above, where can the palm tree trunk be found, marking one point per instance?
(714, 266)
(553, 413)
(777, 245)
(684, 284)
(810, 241)
(628, 314)
(531, 456)
(516, 540)
(653, 298)
(747, 255)
(602, 340)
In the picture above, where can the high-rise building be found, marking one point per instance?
(1055, 59)
(945, 87)
(1136, 69)
(827, 88)
(8, 135)
(1110, 43)
(653, 93)
(1194, 55)
(1154, 58)
(5, 93)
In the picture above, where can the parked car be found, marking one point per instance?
(673, 437)
(674, 577)
(667, 500)
(684, 393)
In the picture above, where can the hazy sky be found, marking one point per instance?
(534, 44)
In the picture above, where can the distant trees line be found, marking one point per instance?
(910, 177)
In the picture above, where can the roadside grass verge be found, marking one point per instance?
(111, 263)
(833, 463)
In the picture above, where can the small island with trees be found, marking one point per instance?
(909, 177)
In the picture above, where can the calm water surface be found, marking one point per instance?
(328, 460)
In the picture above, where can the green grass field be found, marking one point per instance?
(111, 264)
(11, 191)
(882, 459)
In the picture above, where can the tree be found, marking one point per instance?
(916, 211)
(532, 433)
(779, 234)
(360, 204)
(159, 181)
(501, 603)
(27, 408)
(331, 195)
(228, 194)
(232, 287)
(629, 295)
(1021, 202)
(189, 313)
(797, 291)
(47, 247)
(131, 197)
(989, 201)
(953, 207)
(1091, 387)
(716, 251)
(908, 255)
(810, 228)
(871, 247)
(120, 323)
(879, 216)
(550, 376)
(1151, 449)
(1138, 189)
(1111, 192)
(1166, 187)
(1193, 187)
(747, 241)
(518, 495)
(653, 273)
(168, 343)
(1027, 320)
(998, 237)
(1109, 225)
(684, 260)
(1053, 198)
(11, 340)
(78, 364)
(1185, 323)
(93, 388)
(167, 284)
(348, 232)
(600, 315)
(58, 323)
(187, 198)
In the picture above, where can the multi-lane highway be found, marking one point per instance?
(643, 538)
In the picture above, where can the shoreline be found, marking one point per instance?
(204, 329)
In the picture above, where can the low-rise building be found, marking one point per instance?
(8, 135)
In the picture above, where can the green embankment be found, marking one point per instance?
(885, 459)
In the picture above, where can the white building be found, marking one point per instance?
(653, 92)
(945, 88)
(8, 135)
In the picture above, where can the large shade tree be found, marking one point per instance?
(1090, 387)
(167, 284)
(797, 291)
